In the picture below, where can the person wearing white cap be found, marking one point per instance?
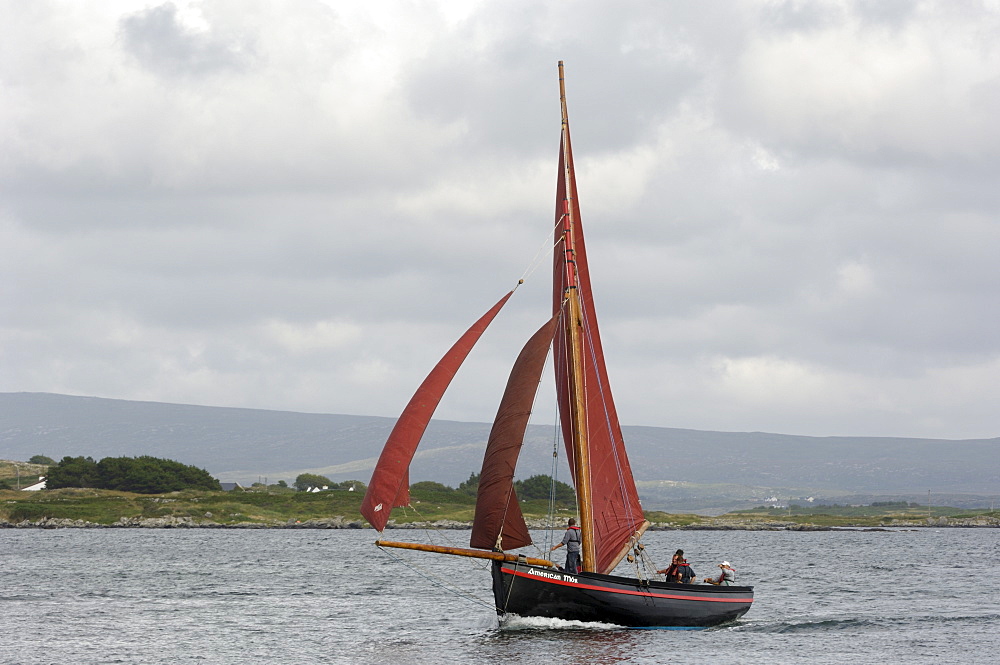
(726, 577)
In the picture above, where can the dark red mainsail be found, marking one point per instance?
(498, 522)
(389, 484)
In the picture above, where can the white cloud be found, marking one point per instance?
(868, 90)
(764, 380)
(317, 336)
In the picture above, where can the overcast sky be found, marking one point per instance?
(793, 208)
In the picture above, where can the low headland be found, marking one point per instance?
(270, 509)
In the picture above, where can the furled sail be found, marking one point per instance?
(389, 486)
(498, 523)
(617, 513)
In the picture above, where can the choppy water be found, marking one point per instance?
(277, 596)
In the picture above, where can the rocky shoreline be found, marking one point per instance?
(342, 523)
(180, 523)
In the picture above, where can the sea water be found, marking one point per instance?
(175, 596)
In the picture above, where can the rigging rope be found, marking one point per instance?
(607, 417)
(550, 520)
(461, 593)
(543, 251)
(644, 565)
(440, 534)
(617, 449)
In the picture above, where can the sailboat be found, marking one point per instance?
(610, 515)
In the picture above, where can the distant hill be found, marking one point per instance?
(675, 468)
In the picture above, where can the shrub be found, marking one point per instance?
(144, 475)
(470, 486)
(430, 486)
(306, 480)
(27, 511)
(540, 487)
(73, 472)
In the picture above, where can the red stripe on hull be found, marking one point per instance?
(605, 589)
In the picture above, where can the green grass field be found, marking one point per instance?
(280, 507)
(15, 474)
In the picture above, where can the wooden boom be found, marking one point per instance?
(461, 551)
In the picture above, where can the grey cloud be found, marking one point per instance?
(162, 44)
(300, 207)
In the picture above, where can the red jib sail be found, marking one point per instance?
(617, 513)
(498, 522)
(389, 484)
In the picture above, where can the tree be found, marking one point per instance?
(72, 472)
(352, 485)
(470, 486)
(41, 459)
(282, 483)
(306, 480)
(144, 475)
(430, 486)
(540, 487)
(152, 475)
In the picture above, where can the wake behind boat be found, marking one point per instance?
(611, 518)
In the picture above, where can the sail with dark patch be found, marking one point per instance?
(499, 523)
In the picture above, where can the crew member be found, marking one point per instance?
(571, 539)
(726, 577)
(679, 569)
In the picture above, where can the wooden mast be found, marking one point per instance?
(574, 361)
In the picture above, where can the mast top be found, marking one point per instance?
(562, 96)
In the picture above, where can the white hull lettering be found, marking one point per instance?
(552, 576)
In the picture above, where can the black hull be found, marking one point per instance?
(541, 592)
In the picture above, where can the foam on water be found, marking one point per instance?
(515, 622)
